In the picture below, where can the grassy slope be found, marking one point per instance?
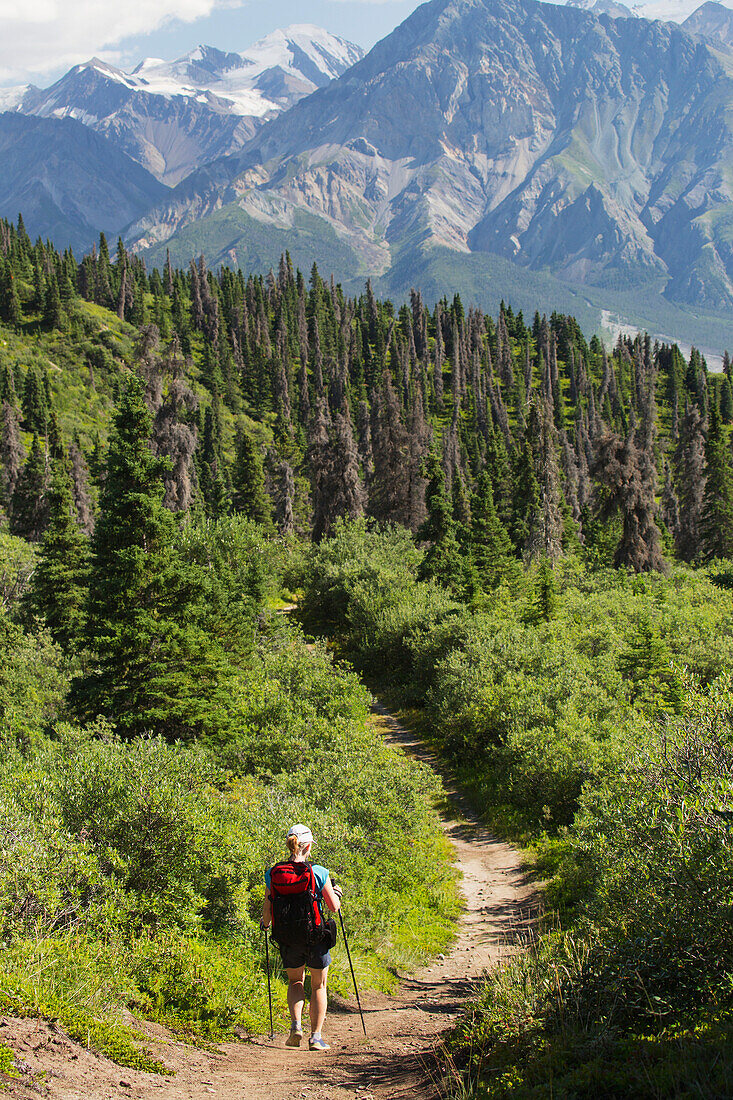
(85, 366)
(83, 392)
(232, 238)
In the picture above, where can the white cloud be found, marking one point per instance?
(674, 11)
(37, 36)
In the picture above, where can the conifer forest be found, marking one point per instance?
(233, 508)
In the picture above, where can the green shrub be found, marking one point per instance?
(7, 1062)
(80, 982)
(525, 718)
(638, 998)
(654, 844)
(361, 586)
(132, 875)
(206, 987)
(33, 682)
(386, 556)
(154, 817)
(48, 877)
(17, 558)
(521, 1041)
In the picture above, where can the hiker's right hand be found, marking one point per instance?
(338, 891)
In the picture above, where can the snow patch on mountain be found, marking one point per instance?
(272, 73)
(11, 98)
(669, 11)
(330, 54)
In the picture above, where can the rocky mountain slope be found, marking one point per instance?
(69, 183)
(598, 149)
(174, 117)
(713, 21)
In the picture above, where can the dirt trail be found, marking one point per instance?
(393, 1062)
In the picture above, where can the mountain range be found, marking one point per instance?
(597, 149)
(173, 117)
(577, 150)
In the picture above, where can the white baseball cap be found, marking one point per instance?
(303, 833)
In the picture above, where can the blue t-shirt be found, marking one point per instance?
(320, 874)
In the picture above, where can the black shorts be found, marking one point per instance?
(315, 958)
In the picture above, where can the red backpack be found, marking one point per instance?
(296, 914)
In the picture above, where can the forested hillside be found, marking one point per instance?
(283, 401)
(531, 533)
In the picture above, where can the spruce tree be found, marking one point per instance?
(459, 501)
(319, 461)
(34, 404)
(80, 487)
(8, 394)
(716, 521)
(29, 502)
(347, 488)
(103, 288)
(544, 438)
(152, 668)
(726, 401)
(489, 543)
(690, 475)
(499, 468)
(389, 488)
(670, 505)
(212, 474)
(419, 435)
(54, 439)
(248, 481)
(443, 560)
(526, 526)
(626, 486)
(543, 606)
(53, 313)
(58, 586)
(285, 499)
(10, 311)
(174, 428)
(645, 663)
(11, 452)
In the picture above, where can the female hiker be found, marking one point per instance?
(293, 907)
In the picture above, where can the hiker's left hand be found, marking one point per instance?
(338, 891)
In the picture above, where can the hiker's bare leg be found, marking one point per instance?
(319, 999)
(296, 995)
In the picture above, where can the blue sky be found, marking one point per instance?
(360, 21)
(41, 39)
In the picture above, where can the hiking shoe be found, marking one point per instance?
(317, 1044)
(294, 1039)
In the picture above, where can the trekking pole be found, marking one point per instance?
(269, 988)
(351, 967)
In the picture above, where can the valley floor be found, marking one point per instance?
(394, 1061)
